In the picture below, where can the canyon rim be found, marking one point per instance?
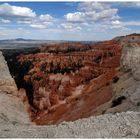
(78, 76)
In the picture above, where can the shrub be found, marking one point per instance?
(115, 79)
(118, 101)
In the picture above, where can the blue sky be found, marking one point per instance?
(68, 20)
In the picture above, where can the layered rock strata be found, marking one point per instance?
(68, 81)
(68, 86)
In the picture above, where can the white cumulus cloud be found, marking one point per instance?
(93, 6)
(16, 11)
(93, 12)
(42, 22)
(46, 17)
(24, 16)
(70, 27)
(75, 17)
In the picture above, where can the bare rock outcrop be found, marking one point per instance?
(120, 125)
(127, 89)
(7, 83)
(12, 109)
(130, 59)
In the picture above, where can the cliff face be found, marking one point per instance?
(11, 108)
(7, 83)
(130, 59)
(127, 89)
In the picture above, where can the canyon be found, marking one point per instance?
(64, 82)
(68, 86)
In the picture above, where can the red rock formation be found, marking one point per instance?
(71, 83)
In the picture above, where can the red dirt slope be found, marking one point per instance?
(69, 83)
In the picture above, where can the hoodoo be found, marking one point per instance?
(68, 81)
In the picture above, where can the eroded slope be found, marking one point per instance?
(68, 81)
(67, 86)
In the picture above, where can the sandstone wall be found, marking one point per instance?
(7, 83)
(130, 59)
(11, 108)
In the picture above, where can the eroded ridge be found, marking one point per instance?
(68, 81)
(67, 86)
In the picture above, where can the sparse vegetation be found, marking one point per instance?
(118, 101)
(115, 79)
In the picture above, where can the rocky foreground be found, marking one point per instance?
(114, 89)
(120, 125)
